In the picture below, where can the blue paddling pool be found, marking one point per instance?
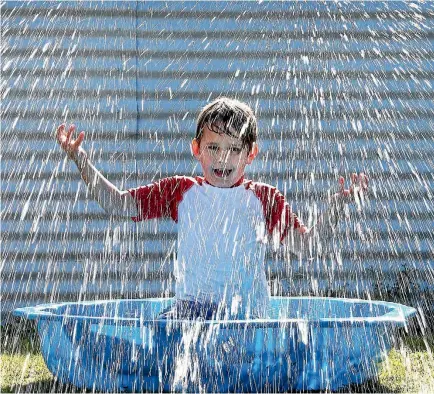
(307, 343)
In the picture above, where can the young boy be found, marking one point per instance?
(224, 220)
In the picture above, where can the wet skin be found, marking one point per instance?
(222, 157)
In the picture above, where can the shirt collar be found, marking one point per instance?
(237, 183)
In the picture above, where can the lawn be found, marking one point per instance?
(409, 368)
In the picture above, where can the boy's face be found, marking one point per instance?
(223, 158)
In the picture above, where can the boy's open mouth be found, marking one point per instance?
(221, 173)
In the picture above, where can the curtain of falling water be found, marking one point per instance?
(337, 88)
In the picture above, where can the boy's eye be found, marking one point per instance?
(214, 149)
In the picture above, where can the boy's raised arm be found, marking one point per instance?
(111, 199)
(306, 242)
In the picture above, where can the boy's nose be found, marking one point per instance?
(224, 156)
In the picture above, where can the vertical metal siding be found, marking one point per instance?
(336, 87)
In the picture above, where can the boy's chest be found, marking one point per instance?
(230, 214)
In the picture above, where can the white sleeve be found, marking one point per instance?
(108, 196)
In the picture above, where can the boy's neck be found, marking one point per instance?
(237, 183)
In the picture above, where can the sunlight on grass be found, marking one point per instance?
(405, 371)
(22, 370)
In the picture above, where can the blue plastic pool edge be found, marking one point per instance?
(398, 314)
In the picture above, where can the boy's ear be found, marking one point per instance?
(253, 153)
(195, 148)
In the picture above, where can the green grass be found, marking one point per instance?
(21, 363)
(410, 368)
(22, 369)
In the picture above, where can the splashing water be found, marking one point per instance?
(336, 87)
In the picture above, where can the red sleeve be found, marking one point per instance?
(277, 212)
(161, 199)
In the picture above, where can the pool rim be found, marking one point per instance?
(397, 315)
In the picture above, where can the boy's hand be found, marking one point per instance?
(357, 191)
(65, 140)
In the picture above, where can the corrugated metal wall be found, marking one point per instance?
(336, 87)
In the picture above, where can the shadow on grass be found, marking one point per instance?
(45, 386)
(370, 386)
(19, 336)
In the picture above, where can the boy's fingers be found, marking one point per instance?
(80, 137)
(354, 177)
(364, 180)
(78, 141)
(70, 132)
(341, 183)
(343, 191)
(71, 129)
(60, 132)
(359, 183)
(360, 180)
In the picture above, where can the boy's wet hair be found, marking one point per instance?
(230, 117)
